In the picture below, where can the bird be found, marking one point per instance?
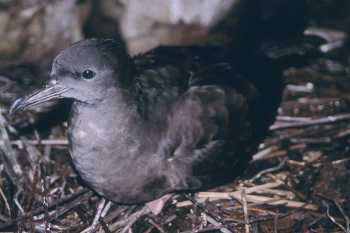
(175, 119)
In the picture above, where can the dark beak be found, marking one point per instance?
(49, 92)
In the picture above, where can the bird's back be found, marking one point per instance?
(210, 115)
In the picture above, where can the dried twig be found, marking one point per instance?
(263, 200)
(51, 142)
(156, 225)
(223, 195)
(134, 217)
(341, 210)
(213, 196)
(245, 211)
(275, 223)
(5, 201)
(332, 219)
(318, 121)
(41, 209)
(210, 218)
(269, 170)
(8, 155)
(97, 217)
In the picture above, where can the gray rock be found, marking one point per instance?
(32, 32)
(150, 23)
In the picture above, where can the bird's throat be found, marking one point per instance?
(111, 126)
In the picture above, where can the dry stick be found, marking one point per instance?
(110, 223)
(320, 140)
(343, 133)
(134, 217)
(217, 224)
(9, 158)
(52, 228)
(4, 218)
(281, 193)
(275, 223)
(347, 221)
(6, 202)
(254, 198)
(102, 221)
(332, 219)
(247, 191)
(128, 220)
(208, 229)
(40, 210)
(290, 104)
(106, 209)
(116, 212)
(318, 121)
(258, 210)
(267, 202)
(293, 119)
(293, 133)
(47, 152)
(99, 216)
(156, 225)
(16, 201)
(210, 218)
(276, 140)
(278, 153)
(51, 142)
(245, 211)
(212, 196)
(340, 161)
(64, 209)
(272, 169)
(288, 203)
(6, 83)
(8, 155)
(96, 219)
(45, 203)
(261, 200)
(265, 152)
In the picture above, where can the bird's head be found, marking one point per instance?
(82, 72)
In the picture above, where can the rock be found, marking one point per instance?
(33, 31)
(150, 23)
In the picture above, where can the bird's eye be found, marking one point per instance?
(88, 74)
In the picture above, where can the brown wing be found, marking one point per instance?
(206, 133)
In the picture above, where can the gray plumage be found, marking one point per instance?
(171, 120)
